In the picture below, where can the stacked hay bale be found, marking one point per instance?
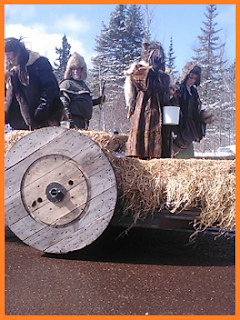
(175, 184)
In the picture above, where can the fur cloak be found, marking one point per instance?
(146, 92)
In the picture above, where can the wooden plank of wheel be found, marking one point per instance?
(60, 190)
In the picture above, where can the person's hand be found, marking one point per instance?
(99, 100)
(207, 116)
(42, 112)
(130, 112)
(102, 99)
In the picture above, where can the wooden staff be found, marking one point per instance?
(102, 89)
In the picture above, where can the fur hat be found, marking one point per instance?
(76, 61)
(148, 48)
(191, 67)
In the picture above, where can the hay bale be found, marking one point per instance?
(106, 141)
(12, 137)
(176, 184)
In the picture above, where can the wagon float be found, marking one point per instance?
(63, 187)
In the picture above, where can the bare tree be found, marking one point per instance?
(148, 18)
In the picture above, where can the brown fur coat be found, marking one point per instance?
(146, 92)
(151, 93)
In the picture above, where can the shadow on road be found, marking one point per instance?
(156, 247)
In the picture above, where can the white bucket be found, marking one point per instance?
(171, 115)
(65, 124)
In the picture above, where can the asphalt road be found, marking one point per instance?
(147, 272)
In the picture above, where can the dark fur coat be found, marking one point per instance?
(23, 99)
(191, 127)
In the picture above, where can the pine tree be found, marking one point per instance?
(210, 55)
(171, 59)
(64, 55)
(135, 33)
(118, 45)
(148, 18)
(227, 133)
(110, 46)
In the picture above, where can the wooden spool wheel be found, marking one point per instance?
(60, 190)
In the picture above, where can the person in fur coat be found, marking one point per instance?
(32, 91)
(146, 92)
(76, 95)
(193, 120)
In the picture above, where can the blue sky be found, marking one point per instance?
(43, 27)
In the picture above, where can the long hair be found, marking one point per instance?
(190, 67)
(21, 56)
(18, 48)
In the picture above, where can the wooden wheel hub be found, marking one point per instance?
(54, 190)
